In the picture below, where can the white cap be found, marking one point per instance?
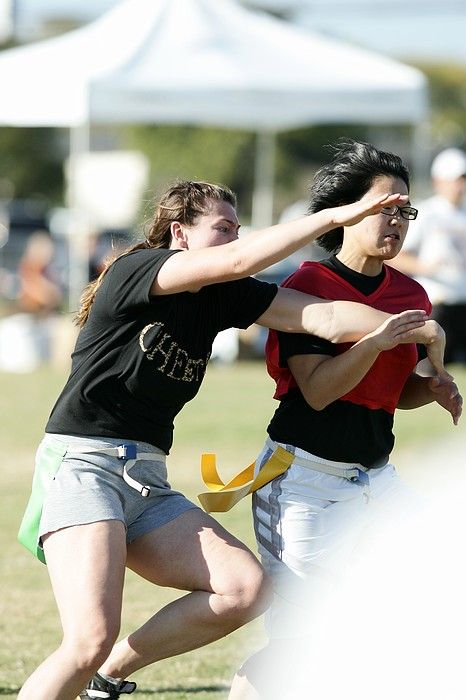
(449, 164)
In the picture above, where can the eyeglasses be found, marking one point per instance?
(409, 213)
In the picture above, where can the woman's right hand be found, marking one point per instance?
(408, 327)
(350, 214)
(398, 328)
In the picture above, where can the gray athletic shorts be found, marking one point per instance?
(89, 488)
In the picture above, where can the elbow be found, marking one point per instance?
(319, 319)
(319, 406)
(239, 268)
(315, 402)
(435, 332)
(236, 263)
(334, 332)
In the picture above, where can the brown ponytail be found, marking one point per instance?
(184, 202)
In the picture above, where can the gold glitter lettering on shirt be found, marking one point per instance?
(175, 361)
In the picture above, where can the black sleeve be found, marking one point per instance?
(302, 344)
(241, 302)
(129, 279)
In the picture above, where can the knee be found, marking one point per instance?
(89, 648)
(261, 593)
(253, 594)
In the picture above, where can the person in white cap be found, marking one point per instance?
(435, 249)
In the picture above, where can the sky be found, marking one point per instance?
(405, 29)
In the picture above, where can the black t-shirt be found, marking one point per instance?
(139, 358)
(365, 435)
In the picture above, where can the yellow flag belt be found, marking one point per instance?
(220, 497)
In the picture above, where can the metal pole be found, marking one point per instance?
(78, 235)
(264, 176)
(421, 157)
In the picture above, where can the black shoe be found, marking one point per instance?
(99, 687)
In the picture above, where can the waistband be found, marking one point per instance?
(347, 470)
(129, 452)
(99, 441)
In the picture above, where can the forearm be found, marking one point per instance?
(346, 321)
(427, 334)
(337, 321)
(433, 337)
(336, 376)
(416, 393)
(349, 321)
(263, 248)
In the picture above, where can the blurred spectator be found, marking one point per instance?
(39, 293)
(435, 249)
(26, 336)
(20, 218)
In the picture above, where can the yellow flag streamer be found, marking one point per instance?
(220, 497)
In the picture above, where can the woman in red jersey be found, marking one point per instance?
(335, 412)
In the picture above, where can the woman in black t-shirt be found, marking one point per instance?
(147, 327)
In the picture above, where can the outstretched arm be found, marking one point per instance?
(190, 270)
(338, 321)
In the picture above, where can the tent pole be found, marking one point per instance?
(421, 156)
(79, 229)
(262, 198)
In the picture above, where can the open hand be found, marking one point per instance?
(350, 214)
(398, 329)
(447, 395)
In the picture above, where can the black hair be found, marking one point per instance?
(347, 178)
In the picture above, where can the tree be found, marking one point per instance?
(31, 164)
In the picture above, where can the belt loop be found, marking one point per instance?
(366, 485)
(127, 451)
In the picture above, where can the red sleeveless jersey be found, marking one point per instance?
(382, 385)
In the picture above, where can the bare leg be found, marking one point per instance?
(246, 683)
(191, 553)
(86, 566)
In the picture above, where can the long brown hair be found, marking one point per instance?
(184, 201)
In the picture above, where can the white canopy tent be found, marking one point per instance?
(205, 62)
(202, 62)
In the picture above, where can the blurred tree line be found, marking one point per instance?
(31, 160)
(31, 164)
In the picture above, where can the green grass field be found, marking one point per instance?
(228, 417)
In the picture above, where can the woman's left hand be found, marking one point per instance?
(447, 395)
